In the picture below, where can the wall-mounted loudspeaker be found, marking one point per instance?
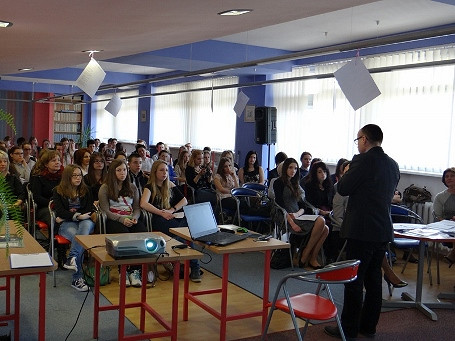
(265, 118)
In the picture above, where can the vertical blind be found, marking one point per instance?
(124, 126)
(415, 110)
(188, 117)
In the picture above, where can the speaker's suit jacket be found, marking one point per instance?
(370, 183)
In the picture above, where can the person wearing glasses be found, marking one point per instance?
(370, 184)
(29, 159)
(96, 174)
(16, 157)
(73, 205)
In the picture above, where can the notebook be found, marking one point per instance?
(203, 227)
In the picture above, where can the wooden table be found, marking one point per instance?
(243, 246)
(30, 246)
(408, 299)
(95, 244)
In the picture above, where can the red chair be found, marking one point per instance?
(309, 306)
(62, 243)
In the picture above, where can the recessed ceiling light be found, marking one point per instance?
(5, 23)
(25, 69)
(235, 12)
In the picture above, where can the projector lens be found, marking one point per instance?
(150, 245)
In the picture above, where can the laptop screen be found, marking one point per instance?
(201, 220)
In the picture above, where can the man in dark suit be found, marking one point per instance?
(370, 183)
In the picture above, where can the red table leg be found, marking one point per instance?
(224, 289)
(186, 285)
(175, 301)
(17, 305)
(265, 293)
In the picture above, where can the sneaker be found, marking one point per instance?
(70, 264)
(195, 276)
(135, 278)
(151, 276)
(79, 284)
(127, 280)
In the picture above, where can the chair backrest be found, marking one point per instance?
(245, 192)
(339, 272)
(257, 187)
(402, 211)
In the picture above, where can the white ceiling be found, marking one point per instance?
(51, 34)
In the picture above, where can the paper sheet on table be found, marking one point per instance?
(309, 217)
(421, 232)
(406, 226)
(443, 225)
(356, 83)
(241, 103)
(178, 215)
(91, 78)
(29, 260)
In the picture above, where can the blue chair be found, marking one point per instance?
(409, 216)
(249, 195)
(256, 187)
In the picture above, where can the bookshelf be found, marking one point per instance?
(67, 118)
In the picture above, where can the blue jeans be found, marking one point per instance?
(69, 229)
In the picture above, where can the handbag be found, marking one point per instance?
(280, 259)
(89, 274)
(415, 194)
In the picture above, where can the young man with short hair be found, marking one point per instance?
(159, 147)
(135, 173)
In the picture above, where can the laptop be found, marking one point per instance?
(203, 227)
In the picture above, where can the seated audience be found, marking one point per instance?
(12, 180)
(159, 147)
(146, 161)
(46, 144)
(73, 205)
(120, 155)
(35, 148)
(67, 156)
(96, 174)
(230, 155)
(444, 205)
(305, 159)
(45, 176)
(290, 196)
(82, 159)
(119, 200)
(200, 178)
(166, 157)
(225, 179)
(251, 171)
(16, 158)
(279, 158)
(91, 146)
(180, 167)
(29, 159)
(135, 173)
(338, 171)
(162, 198)
(181, 149)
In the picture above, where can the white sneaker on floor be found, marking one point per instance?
(127, 280)
(79, 284)
(135, 278)
(70, 264)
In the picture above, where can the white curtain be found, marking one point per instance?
(123, 126)
(415, 110)
(188, 117)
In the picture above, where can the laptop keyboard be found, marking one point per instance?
(215, 238)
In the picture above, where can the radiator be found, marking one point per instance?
(424, 210)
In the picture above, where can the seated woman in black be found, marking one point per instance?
(251, 171)
(319, 192)
(162, 198)
(200, 178)
(290, 196)
(46, 174)
(96, 175)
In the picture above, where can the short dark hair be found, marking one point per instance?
(163, 151)
(89, 142)
(451, 169)
(139, 145)
(20, 140)
(373, 133)
(133, 154)
(280, 157)
(303, 155)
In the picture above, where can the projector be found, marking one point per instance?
(135, 244)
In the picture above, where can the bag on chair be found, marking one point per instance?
(415, 194)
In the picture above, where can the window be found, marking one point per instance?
(188, 117)
(416, 111)
(124, 126)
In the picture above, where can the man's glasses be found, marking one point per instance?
(356, 141)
